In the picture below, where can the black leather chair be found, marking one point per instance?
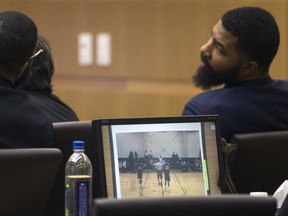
(27, 177)
(64, 134)
(260, 161)
(197, 206)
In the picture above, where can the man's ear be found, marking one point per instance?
(249, 70)
(20, 72)
(23, 69)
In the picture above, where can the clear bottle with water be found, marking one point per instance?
(78, 182)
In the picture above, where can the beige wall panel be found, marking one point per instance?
(155, 50)
(150, 39)
(107, 99)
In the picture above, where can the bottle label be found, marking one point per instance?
(82, 188)
(77, 196)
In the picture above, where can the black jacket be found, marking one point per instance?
(22, 125)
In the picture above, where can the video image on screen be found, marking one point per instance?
(159, 161)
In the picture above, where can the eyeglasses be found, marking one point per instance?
(39, 46)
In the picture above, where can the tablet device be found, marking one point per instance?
(160, 156)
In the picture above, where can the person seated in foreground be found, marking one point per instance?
(22, 125)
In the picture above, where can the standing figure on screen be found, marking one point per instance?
(161, 160)
(146, 158)
(124, 165)
(150, 154)
(167, 177)
(159, 167)
(131, 162)
(139, 175)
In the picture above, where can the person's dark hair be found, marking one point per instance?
(257, 32)
(18, 37)
(39, 77)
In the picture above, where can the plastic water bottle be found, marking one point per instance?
(78, 182)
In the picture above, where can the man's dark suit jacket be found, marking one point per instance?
(52, 106)
(22, 125)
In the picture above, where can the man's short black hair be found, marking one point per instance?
(18, 37)
(257, 32)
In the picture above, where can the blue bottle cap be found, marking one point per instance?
(78, 144)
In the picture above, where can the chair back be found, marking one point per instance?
(197, 206)
(27, 177)
(64, 135)
(260, 161)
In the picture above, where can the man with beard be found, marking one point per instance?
(238, 55)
